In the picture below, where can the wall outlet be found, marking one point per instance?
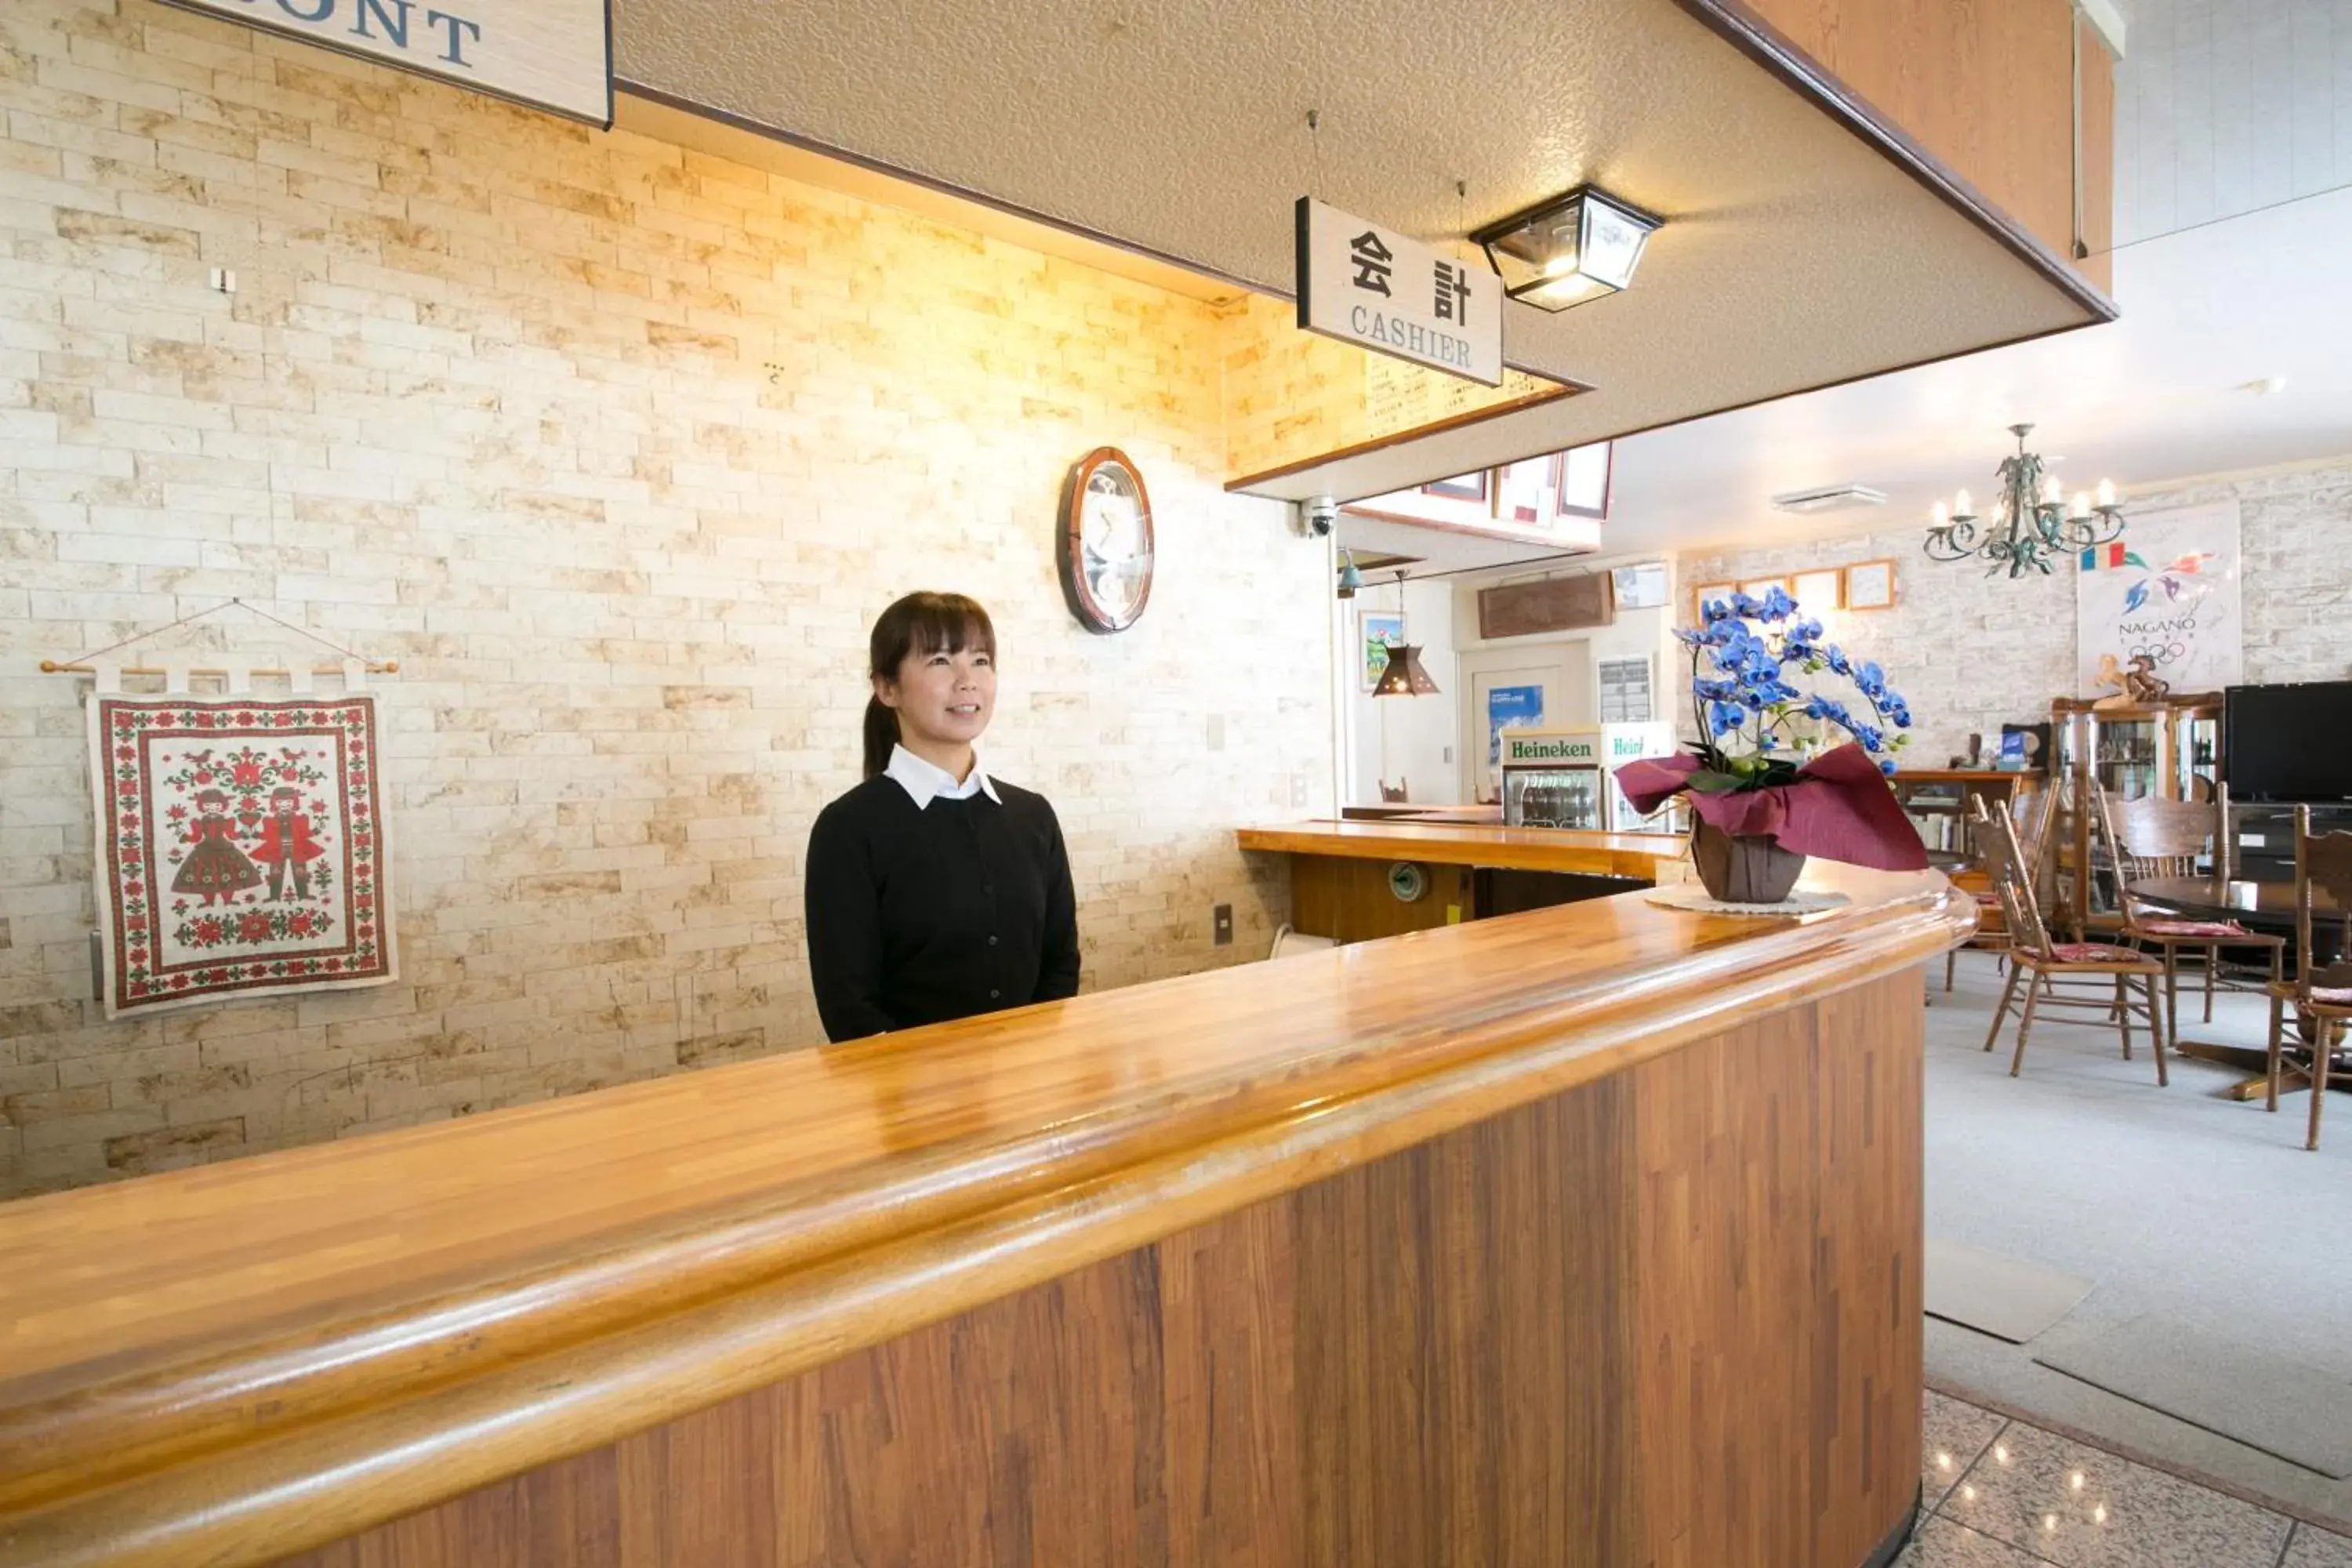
(1216, 732)
(1221, 921)
(1449, 754)
(1299, 789)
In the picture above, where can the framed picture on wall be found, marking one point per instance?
(1581, 475)
(1461, 487)
(1519, 495)
(1819, 591)
(1641, 587)
(1703, 593)
(1757, 587)
(1870, 586)
(1382, 631)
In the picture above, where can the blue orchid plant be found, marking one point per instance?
(1756, 729)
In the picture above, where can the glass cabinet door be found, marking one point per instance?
(2124, 757)
(2196, 754)
(1552, 797)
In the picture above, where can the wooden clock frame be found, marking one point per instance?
(1089, 611)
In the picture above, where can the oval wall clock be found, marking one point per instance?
(1106, 541)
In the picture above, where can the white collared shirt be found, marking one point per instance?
(927, 782)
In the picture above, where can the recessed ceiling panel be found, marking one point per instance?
(1794, 255)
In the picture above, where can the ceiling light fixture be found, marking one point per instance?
(1570, 249)
(2032, 523)
(1350, 580)
(1402, 676)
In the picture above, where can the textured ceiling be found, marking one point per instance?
(1794, 255)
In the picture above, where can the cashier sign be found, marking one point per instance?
(1375, 288)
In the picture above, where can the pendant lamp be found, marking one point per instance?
(1350, 580)
(1403, 676)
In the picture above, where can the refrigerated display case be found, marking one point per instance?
(1566, 778)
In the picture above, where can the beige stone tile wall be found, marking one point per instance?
(618, 449)
(1973, 652)
(1292, 397)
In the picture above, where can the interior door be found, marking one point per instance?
(1548, 686)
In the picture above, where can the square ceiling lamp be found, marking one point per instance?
(1570, 249)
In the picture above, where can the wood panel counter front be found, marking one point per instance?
(1590, 1235)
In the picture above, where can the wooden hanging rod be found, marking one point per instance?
(51, 667)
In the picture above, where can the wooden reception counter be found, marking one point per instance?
(1591, 1236)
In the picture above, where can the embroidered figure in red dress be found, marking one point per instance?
(286, 841)
(216, 868)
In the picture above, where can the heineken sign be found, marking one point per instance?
(1580, 749)
(556, 55)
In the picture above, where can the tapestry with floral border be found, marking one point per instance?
(241, 848)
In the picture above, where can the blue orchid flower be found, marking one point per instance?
(1726, 717)
(1777, 606)
(1714, 612)
(1888, 765)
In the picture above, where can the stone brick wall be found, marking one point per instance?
(1972, 653)
(618, 449)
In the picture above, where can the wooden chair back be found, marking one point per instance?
(2323, 865)
(2012, 881)
(2035, 811)
(2151, 838)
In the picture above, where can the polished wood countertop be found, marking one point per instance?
(1635, 855)
(228, 1364)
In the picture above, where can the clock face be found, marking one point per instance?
(1105, 546)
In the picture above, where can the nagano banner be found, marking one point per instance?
(2167, 591)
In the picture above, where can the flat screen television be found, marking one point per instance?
(2288, 742)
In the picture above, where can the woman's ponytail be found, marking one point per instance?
(881, 736)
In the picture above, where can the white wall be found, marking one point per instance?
(1634, 632)
(1408, 738)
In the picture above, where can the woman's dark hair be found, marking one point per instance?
(925, 624)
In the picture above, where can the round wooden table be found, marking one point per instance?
(2266, 906)
(2257, 906)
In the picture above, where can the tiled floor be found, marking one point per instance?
(2002, 1494)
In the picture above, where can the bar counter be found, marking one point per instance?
(1588, 1236)
(1341, 885)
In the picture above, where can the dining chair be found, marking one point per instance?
(2033, 951)
(2151, 838)
(2323, 863)
(2034, 810)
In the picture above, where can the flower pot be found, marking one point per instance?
(1747, 868)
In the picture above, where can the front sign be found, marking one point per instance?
(556, 55)
(1375, 288)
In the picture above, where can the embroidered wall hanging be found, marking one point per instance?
(241, 847)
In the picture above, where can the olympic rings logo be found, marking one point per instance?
(2160, 654)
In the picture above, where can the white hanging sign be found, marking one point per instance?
(556, 55)
(2165, 593)
(1378, 290)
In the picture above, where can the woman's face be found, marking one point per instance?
(944, 699)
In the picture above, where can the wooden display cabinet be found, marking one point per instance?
(2169, 749)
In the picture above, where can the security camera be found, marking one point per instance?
(1322, 513)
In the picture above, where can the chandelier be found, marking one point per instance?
(2032, 522)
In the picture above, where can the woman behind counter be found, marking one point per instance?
(935, 891)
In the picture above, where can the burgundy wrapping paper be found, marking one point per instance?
(1838, 809)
